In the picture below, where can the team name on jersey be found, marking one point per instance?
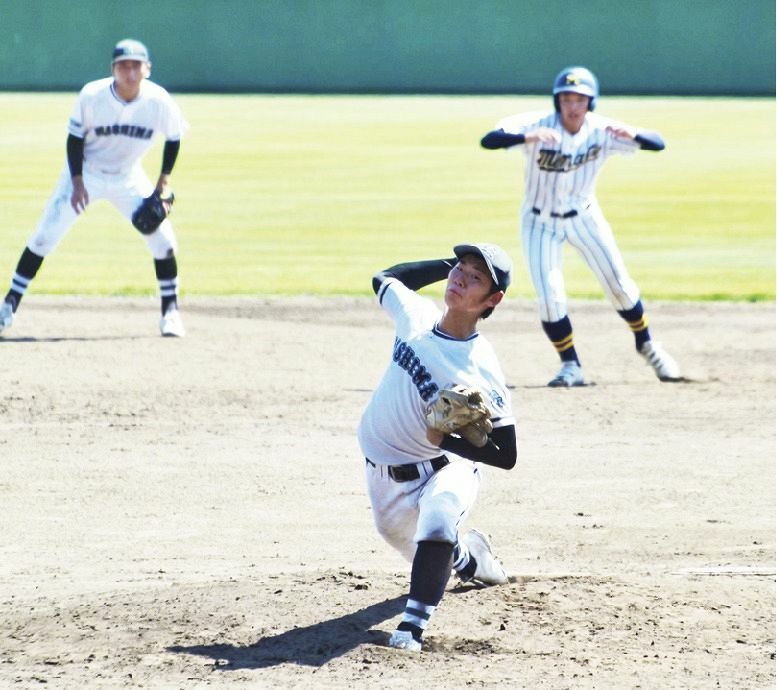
(406, 358)
(555, 161)
(497, 399)
(124, 130)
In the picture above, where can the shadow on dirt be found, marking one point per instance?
(313, 645)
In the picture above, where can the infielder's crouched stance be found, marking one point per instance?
(443, 375)
(565, 150)
(111, 127)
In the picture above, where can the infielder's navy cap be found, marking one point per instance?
(129, 49)
(500, 265)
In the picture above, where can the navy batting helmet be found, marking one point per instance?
(576, 80)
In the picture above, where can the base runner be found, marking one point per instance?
(565, 150)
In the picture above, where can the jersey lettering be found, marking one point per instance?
(497, 399)
(555, 161)
(406, 358)
(124, 130)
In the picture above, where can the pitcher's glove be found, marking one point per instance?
(463, 411)
(152, 211)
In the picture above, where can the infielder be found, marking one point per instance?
(419, 496)
(111, 127)
(565, 149)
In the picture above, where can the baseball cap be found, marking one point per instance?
(129, 49)
(499, 264)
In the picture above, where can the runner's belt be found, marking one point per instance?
(568, 214)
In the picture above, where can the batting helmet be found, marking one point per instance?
(576, 80)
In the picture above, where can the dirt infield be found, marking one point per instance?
(191, 513)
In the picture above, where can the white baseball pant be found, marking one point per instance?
(124, 191)
(588, 232)
(427, 509)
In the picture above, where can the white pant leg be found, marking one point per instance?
(542, 249)
(57, 218)
(591, 235)
(125, 192)
(126, 196)
(446, 499)
(394, 508)
(432, 508)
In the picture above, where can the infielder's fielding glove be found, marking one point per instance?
(463, 411)
(152, 211)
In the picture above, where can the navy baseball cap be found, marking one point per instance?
(129, 49)
(499, 264)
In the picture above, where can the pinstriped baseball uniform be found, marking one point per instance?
(559, 205)
(565, 151)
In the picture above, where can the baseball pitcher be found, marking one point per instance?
(441, 408)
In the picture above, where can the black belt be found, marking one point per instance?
(409, 473)
(568, 214)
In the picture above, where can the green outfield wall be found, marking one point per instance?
(724, 47)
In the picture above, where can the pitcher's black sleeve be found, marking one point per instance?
(415, 274)
(500, 451)
(75, 155)
(499, 139)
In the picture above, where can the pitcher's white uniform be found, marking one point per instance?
(392, 430)
(116, 136)
(560, 205)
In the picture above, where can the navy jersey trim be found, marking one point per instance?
(116, 95)
(382, 290)
(120, 99)
(442, 334)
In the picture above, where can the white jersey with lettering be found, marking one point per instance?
(560, 206)
(118, 133)
(424, 360)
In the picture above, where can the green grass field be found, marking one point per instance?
(313, 194)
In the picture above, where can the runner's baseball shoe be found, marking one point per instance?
(570, 374)
(489, 570)
(662, 362)
(403, 639)
(171, 325)
(6, 316)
